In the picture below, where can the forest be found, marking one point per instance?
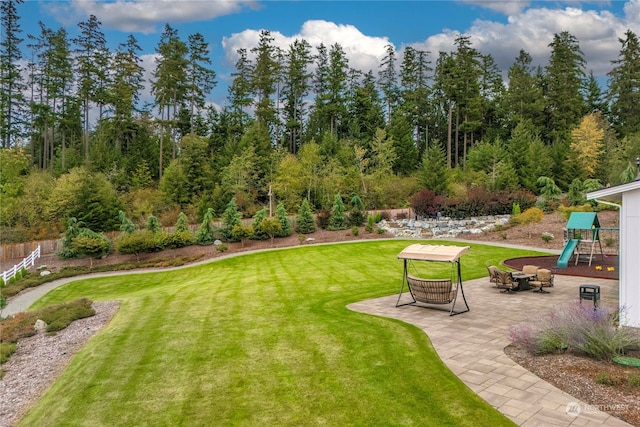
(298, 125)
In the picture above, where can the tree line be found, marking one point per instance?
(298, 123)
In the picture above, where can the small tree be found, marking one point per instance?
(182, 224)
(285, 223)
(205, 235)
(126, 225)
(270, 227)
(91, 244)
(153, 224)
(73, 230)
(357, 214)
(258, 234)
(304, 220)
(241, 233)
(339, 220)
(230, 218)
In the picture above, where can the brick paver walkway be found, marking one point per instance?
(471, 345)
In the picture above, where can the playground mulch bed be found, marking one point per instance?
(581, 270)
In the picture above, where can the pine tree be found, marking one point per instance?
(296, 87)
(230, 218)
(624, 87)
(92, 56)
(387, 80)
(305, 223)
(285, 223)
(565, 77)
(338, 220)
(200, 78)
(12, 101)
(205, 235)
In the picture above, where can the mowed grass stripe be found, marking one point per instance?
(261, 339)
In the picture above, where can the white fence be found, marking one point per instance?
(25, 263)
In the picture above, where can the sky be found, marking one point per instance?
(363, 28)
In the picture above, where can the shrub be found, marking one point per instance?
(24, 272)
(60, 316)
(581, 329)
(566, 211)
(355, 231)
(531, 215)
(322, 218)
(547, 237)
(139, 242)
(6, 350)
(178, 239)
(18, 275)
(606, 378)
(633, 380)
(222, 248)
(515, 210)
(426, 203)
(370, 223)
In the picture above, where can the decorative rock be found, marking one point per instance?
(45, 273)
(40, 326)
(309, 239)
(217, 243)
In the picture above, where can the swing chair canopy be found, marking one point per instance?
(439, 253)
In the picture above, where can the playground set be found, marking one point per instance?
(582, 239)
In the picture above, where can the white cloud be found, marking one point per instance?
(596, 31)
(364, 52)
(507, 7)
(146, 16)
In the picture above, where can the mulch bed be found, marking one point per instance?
(581, 270)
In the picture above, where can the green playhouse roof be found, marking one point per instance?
(583, 221)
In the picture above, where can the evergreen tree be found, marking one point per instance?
(338, 220)
(285, 223)
(205, 235)
(264, 77)
(240, 91)
(182, 224)
(365, 110)
(92, 56)
(153, 224)
(258, 217)
(624, 87)
(305, 223)
(230, 218)
(200, 79)
(296, 87)
(126, 225)
(170, 84)
(415, 93)
(12, 102)
(565, 77)
(388, 81)
(524, 96)
(434, 174)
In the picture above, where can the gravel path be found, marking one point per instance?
(41, 358)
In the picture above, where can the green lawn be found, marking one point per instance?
(263, 339)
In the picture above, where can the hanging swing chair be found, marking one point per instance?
(433, 293)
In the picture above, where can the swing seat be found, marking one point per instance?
(431, 291)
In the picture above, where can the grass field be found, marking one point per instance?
(263, 339)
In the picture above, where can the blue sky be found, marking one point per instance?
(363, 28)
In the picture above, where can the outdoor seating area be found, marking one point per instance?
(529, 277)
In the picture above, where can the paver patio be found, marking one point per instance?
(471, 345)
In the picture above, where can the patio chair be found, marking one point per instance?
(531, 269)
(504, 280)
(492, 269)
(545, 280)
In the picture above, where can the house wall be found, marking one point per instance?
(630, 259)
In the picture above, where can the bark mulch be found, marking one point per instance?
(609, 262)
